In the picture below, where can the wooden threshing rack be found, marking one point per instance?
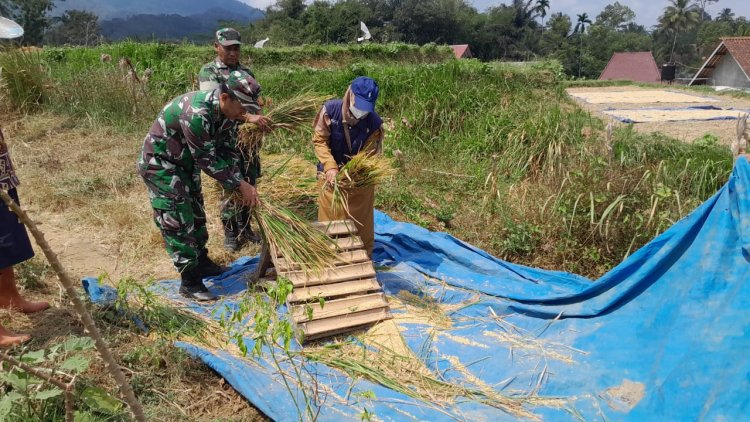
(351, 296)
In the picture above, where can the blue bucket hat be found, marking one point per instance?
(365, 92)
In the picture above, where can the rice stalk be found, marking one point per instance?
(285, 116)
(295, 239)
(408, 376)
(363, 170)
(157, 314)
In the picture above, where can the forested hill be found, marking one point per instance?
(111, 9)
(164, 20)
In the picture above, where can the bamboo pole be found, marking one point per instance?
(88, 322)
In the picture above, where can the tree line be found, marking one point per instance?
(519, 30)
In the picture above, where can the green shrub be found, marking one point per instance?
(24, 79)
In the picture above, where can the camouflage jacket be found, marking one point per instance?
(8, 179)
(217, 72)
(189, 135)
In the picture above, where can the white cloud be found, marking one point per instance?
(259, 4)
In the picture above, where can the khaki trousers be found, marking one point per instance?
(361, 210)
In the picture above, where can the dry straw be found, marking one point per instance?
(295, 239)
(285, 116)
(365, 169)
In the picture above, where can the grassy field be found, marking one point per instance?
(494, 154)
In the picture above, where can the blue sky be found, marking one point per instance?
(647, 11)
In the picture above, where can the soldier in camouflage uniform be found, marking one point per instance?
(234, 217)
(188, 136)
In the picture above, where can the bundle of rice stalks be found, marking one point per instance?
(363, 170)
(163, 318)
(407, 375)
(287, 115)
(295, 239)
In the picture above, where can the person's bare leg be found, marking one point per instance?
(8, 339)
(10, 298)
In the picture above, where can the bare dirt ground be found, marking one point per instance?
(686, 131)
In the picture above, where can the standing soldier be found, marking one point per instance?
(185, 139)
(234, 216)
(343, 128)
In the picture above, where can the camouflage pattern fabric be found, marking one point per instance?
(189, 135)
(212, 75)
(228, 36)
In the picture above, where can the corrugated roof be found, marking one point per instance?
(638, 66)
(738, 47)
(461, 51)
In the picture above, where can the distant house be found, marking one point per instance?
(638, 66)
(728, 65)
(462, 51)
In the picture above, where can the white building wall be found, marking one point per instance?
(729, 73)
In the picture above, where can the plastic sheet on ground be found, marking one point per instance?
(637, 96)
(644, 115)
(662, 336)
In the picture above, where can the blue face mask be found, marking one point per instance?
(357, 113)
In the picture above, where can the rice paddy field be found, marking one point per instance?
(497, 155)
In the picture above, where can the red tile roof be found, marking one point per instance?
(461, 51)
(635, 66)
(738, 47)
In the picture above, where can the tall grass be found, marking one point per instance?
(494, 153)
(23, 79)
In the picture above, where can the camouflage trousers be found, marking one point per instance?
(180, 218)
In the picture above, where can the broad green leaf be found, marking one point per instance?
(78, 343)
(76, 363)
(6, 406)
(37, 356)
(15, 380)
(48, 394)
(99, 400)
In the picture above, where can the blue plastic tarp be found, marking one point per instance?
(732, 114)
(662, 336)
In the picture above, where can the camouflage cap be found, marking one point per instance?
(228, 36)
(244, 87)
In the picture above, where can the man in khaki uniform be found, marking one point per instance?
(343, 128)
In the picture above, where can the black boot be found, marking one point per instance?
(207, 267)
(192, 286)
(232, 240)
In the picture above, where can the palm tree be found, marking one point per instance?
(541, 9)
(583, 20)
(679, 16)
(726, 15)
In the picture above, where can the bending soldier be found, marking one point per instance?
(185, 139)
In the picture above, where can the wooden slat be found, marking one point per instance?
(343, 244)
(343, 258)
(337, 228)
(338, 307)
(329, 326)
(302, 294)
(334, 275)
(349, 243)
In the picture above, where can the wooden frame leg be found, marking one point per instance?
(263, 265)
